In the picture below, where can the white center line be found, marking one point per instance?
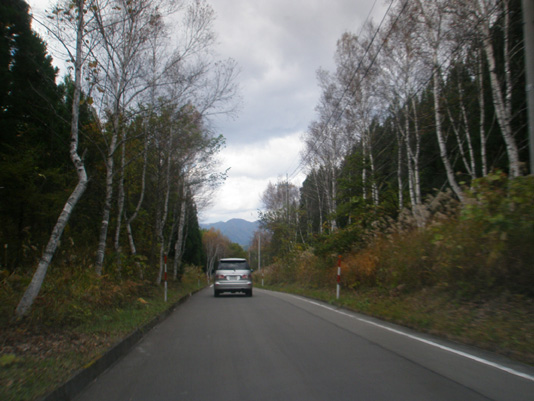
(428, 342)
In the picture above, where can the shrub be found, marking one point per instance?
(360, 269)
(480, 248)
(501, 211)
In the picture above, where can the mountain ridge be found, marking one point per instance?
(236, 230)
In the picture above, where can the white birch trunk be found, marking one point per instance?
(482, 116)
(439, 133)
(502, 101)
(120, 205)
(179, 246)
(415, 156)
(333, 205)
(460, 143)
(364, 171)
(37, 280)
(164, 213)
(399, 168)
(212, 259)
(409, 157)
(434, 36)
(473, 167)
(369, 151)
(104, 225)
(131, 219)
(120, 57)
(319, 201)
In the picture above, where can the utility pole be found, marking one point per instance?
(528, 35)
(287, 197)
(259, 251)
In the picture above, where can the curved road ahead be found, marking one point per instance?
(281, 347)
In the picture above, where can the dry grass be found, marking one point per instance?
(42, 352)
(464, 272)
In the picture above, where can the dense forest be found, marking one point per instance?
(423, 121)
(416, 187)
(102, 170)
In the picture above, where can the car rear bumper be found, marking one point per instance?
(232, 286)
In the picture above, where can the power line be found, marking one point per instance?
(295, 171)
(353, 77)
(417, 90)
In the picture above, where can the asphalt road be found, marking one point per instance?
(281, 347)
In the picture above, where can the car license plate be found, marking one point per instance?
(233, 278)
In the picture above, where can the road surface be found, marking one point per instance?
(277, 346)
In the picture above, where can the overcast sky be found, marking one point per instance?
(278, 45)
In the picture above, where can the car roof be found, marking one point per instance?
(232, 260)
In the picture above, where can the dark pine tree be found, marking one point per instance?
(34, 158)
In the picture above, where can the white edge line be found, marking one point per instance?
(432, 343)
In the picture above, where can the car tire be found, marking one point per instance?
(215, 293)
(249, 293)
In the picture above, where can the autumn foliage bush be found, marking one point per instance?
(479, 248)
(70, 297)
(76, 295)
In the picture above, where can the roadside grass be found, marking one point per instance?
(462, 271)
(36, 358)
(504, 325)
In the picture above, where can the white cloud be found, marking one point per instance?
(266, 159)
(252, 167)
(279, 46)
(236, 199)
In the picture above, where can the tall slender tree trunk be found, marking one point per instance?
(502, 98)
(409, 158)
(130, 220)
(482, 115)
(332, 198)
(319, 201)
(415, 155)
(439, 133)
(434, 36)
(472, 164)
(37, 280)
(141, 198)
(374, 187)
(164, 212)
(400, 183)
(120, 205)
(101, 251)
(179, 245)
(364, 171)
(456, 127)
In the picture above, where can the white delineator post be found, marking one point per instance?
(338, 276)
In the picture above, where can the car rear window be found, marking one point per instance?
(233, 265)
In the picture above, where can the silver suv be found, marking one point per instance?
(233, 275)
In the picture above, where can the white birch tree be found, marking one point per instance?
(483, 15)
(123, 28)
(76, 13)
(434, 28)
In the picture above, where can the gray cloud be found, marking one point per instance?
(279, 45)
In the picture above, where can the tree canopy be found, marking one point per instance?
(136, 106)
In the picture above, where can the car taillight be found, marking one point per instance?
(245, 276)
(220, 276)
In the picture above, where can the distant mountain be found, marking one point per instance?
(236, 230)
